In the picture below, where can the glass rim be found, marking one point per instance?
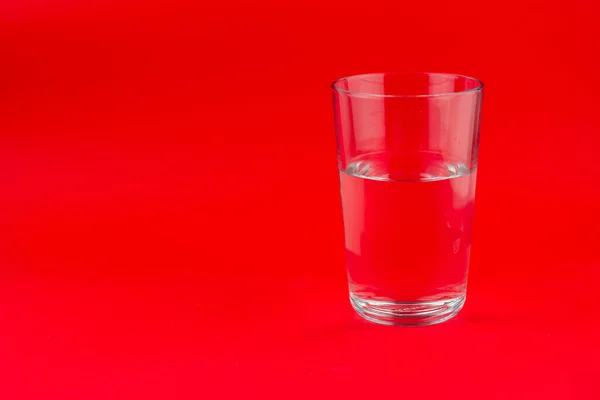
(478, 88)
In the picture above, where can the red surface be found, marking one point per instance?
(163, 234)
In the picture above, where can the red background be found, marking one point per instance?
(170, 216)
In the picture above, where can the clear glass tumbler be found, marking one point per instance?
(407, 153)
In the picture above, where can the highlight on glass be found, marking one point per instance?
(407, 146)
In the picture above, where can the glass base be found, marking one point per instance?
(407, 314)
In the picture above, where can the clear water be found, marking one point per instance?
(408, 222)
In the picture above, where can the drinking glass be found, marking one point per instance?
(407, 147)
